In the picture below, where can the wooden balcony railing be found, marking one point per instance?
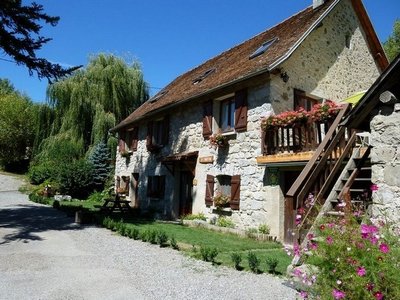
(301, 137)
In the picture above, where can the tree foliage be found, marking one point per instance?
(392, 45)
(17, 124)
(20, 37)
(90, 102)
(100, 160)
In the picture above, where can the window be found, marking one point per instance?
(227, 115)
(122, 185)
(128, 139)
(303, 100)
(157, 134)
(264, 47)
(226, 185)
(156, 186)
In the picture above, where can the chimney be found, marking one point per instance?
(317, 3)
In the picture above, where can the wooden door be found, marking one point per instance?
(186, 193)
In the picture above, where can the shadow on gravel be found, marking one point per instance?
(27, 220)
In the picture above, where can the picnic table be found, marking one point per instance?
(116, 203)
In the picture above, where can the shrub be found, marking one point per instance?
(39, 199)
(162, 238)
(251, 233)
(56, 204)
(144, 236)
(254, 262)
(225, 222)
(199, 216)
(96, 197)
(264, 229)
(152, 237)
(38, 174)
(122, 229)
(134, 233)
(75, 179)
(173, 243)
(354, 261)
(272, 263)
(208, 253)
(236, 259)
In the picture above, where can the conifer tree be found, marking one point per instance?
(99, 158)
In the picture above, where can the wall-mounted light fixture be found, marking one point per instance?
(284, 76)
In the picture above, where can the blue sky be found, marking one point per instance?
(168, 37)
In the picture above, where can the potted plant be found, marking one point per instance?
(218, 140)
(221, 200)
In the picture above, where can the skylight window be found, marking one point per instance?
(264, 47)
(203, 76)
(158, 96)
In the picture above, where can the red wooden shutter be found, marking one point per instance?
(121, 143)
(149, 139)
(165, 129)
(207, 119)
(241, 110)
(263, 140)
(134, 138)
(235, 192)
(209, 190)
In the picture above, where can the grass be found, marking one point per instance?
(191, 239)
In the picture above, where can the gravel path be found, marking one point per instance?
(43, 255)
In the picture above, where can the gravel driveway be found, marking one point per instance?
(43, 255)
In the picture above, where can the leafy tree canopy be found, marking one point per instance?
(17, 124)
(392, 45)
(20, 37)
(90, 102)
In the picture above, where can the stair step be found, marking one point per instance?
(352, 190)
(357, 179)
(352, 201)
(335, 213)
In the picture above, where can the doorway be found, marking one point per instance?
(186, 193)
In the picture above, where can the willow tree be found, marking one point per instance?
(91, 101)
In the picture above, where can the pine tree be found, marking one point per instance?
(99, 158)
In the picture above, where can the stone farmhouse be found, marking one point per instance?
(197, 146)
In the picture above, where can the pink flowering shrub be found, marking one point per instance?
(354, 261)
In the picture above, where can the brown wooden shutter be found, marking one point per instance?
(263, 140)
(235, 192)
(207, 119)
(118, 185)
(121, 143)
(209, 190)
(241, 110)
(165, 129)
(127, 180)
(149, 139)
(134, 138)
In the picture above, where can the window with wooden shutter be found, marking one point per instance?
(118, 183)
(207, 119)
(209, 190)
(133, 138)
(241, 110)
(149, 138)
(121, 142)
(235, 192)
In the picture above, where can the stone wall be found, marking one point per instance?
(385, 159)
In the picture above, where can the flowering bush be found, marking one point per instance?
(287, 118)
(221, 200)
(354, 261)
(218, 140)
(319, 113)
(324, 112)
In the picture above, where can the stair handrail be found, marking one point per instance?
(303, 177)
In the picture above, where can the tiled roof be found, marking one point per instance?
(233, 64)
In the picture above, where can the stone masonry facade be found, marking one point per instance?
(332, 63)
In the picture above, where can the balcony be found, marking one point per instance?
(295, 135)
